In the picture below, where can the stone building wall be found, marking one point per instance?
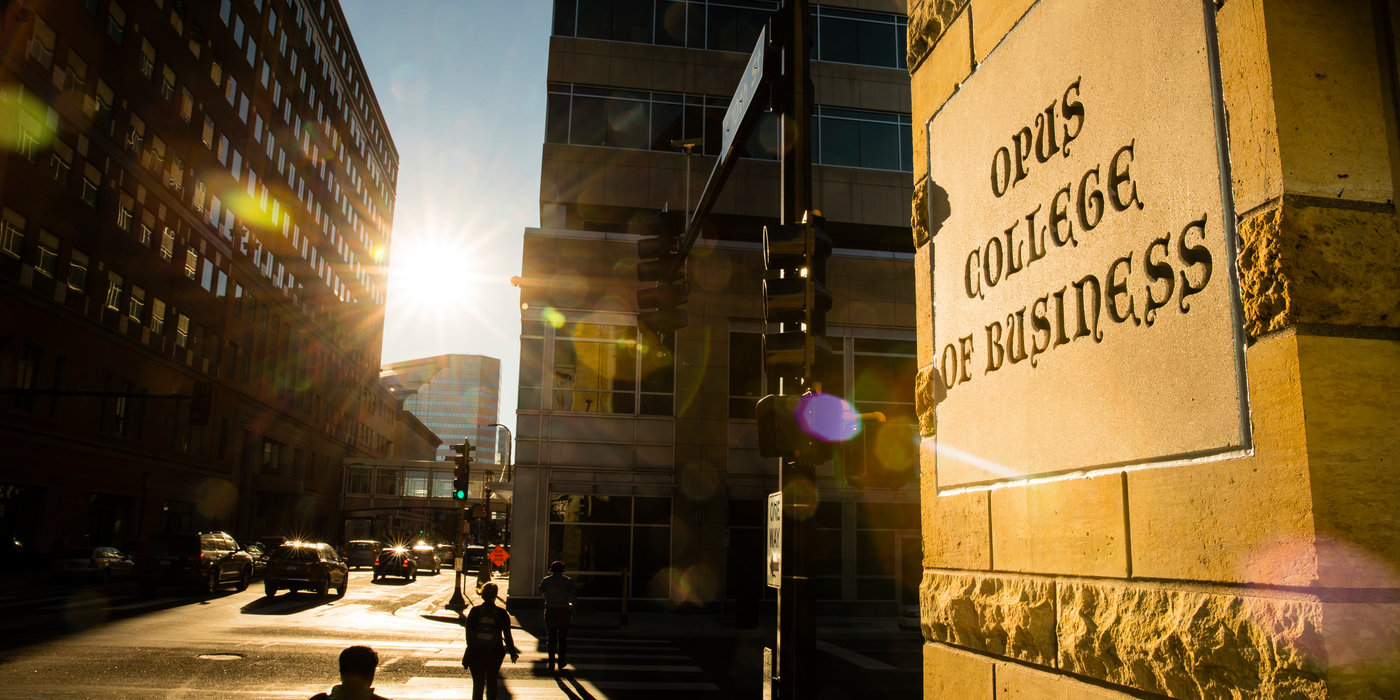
(1269, 573)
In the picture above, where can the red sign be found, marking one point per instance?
(499, 555)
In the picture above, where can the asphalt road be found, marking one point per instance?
(109, 642)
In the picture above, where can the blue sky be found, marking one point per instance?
(462, 87)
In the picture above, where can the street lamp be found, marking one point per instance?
(505, 461)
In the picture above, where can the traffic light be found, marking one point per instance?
(658, 260)
(796, 299)
(461, 470)
(881, 455)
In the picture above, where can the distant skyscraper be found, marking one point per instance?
(456, 396)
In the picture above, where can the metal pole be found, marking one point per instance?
(796, 600)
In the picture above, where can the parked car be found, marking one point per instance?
(473, 558)
(306, 566)
(395, 561)
(358, 553)
(425, 555)
(260, 557)
(204, 561)
(101, 563)
(447, 553)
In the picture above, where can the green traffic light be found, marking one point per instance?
(460, 494)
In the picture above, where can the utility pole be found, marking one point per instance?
(797, 627)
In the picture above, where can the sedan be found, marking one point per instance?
(102, 564)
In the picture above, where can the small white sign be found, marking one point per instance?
(773, 567)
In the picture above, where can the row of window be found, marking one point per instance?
(584, 115)
(617, 369)
(842, 36)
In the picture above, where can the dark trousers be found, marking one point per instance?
(556, 624)
(485, 666)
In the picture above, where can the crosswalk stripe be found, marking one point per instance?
(592, 686)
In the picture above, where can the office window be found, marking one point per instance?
(92, 179)
(114, 291)
(167, 82)
(187, 105)
(607, 535)
(167, 244)
(357, 481)
(272, 460)
(61, 162)
(386, 483)
(125, 206)
(865, 38)
(146, 61)
(207, 136)
(862, 139)
(216, 71)
(157, 316)
(12, 233)
(611, 369)
(883, 372)
(191, 262)
(75, 73)
(41, 46)
(231, 90)
(137, 304)
(46, 261)
(146, 232)
(182, 330)
(745, 373)
(116, 23)
(77, 271)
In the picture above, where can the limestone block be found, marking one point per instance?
(930, 85)
(1319, 264)
(1255, 168)
(956, 528)
(1351, 401)
(1245, 519)
(1326, 84)
(1074, 527)
(923, 290)
(927, 21)
(1017, 682)
(1192, 644)
(991, 20)
(1013, 617)
(928, 389)
(949, 673)
(1363, 649)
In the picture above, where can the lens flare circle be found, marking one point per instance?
(827, 418)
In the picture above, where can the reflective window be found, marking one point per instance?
(598, 537)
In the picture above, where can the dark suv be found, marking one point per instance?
(360, 553)
(306, 566)
(201, 560)
(395, 561)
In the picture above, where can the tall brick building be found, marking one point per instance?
(197, 198)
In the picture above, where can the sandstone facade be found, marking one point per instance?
(1273, 572)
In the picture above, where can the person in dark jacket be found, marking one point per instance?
(559, 597)
(357, 665)
(488, 640)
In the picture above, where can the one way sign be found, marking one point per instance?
(774, 566)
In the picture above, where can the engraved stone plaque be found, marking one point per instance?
(1085, 302)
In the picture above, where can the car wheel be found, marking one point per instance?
(244, 578)
(269, 589)
(344, 586)
(104, 576)
(323, 588)
(212, 584)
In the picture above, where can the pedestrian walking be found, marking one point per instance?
(488, 640)
(357, 666)
(559, 598)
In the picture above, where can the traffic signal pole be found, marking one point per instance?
(797, 627)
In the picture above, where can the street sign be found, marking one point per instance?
(499, 555)
(741, 106)
(773, 567)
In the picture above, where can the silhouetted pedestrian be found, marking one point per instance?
(357, 665)
(488, 640)
(559, 598)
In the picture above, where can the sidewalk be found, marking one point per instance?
(650, 624)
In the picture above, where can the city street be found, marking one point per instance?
(109, 642)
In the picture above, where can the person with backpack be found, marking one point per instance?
(357, 665)
(488, 640)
